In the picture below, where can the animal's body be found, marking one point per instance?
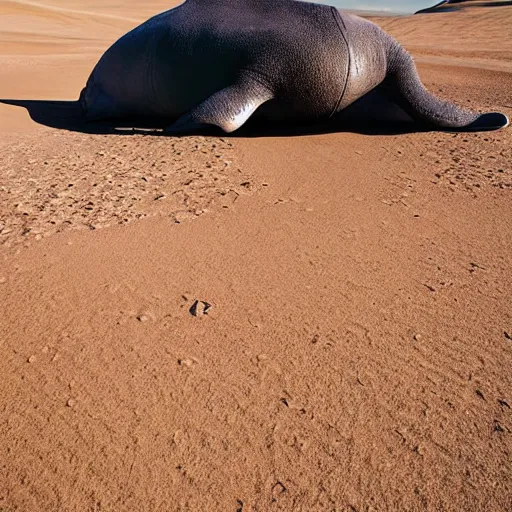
(215, 62)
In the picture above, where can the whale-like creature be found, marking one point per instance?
(217, 62)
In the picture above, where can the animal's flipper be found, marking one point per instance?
(228, 109)
(404, 84)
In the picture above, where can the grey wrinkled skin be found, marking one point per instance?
(215, 62)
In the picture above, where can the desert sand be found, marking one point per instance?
(356, 355)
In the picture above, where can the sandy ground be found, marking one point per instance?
(357, 352)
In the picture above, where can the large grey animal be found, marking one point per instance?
(215, 62)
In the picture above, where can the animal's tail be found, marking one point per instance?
(404, 84)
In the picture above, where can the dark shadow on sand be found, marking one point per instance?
(67, 115)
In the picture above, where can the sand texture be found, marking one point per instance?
(292, 322)
(101, 180)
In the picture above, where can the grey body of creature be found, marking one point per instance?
(216, 62)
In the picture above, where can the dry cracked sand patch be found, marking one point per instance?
(468, 165)
(462, 162)
(53, 181)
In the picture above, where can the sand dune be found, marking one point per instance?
(357, 352)
(129, 10)
(457, 5)
(482, 35)
(46, 11)
(47, 29)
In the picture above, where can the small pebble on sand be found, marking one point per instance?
(187, 362)
(178, 437)
(180, 217)
(200, 308)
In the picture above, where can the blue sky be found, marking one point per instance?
(381, 5)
